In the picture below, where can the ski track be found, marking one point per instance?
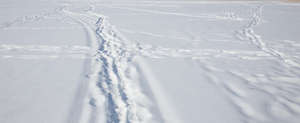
(12, 51)
(44, 48)
(203, 16)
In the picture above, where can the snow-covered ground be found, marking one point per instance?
(129, 61)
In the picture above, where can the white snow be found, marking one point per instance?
(162, 61)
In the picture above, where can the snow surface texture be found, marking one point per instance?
(149, 62)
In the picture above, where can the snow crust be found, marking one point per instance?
(128, 61)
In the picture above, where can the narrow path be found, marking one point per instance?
(111, 85)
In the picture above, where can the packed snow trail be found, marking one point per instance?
(10, 51)
(111, 85)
